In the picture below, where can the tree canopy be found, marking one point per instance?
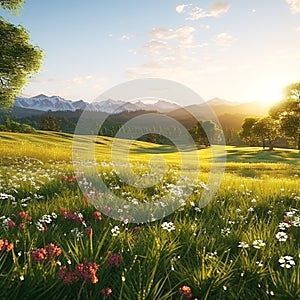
(19, 59)
(11, 4)
(287, 112)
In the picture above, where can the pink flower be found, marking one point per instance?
(114, 259)
(11, 224)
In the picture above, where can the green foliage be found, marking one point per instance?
(287, 112)
(51, 123)
(19, 60)
(246, 134)
(13, 126)
(206, 133)
(11, 4)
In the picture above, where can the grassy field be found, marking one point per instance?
(55, 245)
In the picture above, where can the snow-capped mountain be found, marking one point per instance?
(110, 106)
(45, 103)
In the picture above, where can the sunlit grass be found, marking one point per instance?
(259, 191)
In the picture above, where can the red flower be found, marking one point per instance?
(22, 225)
(52, 251)
(39, 255)
(106, 291)
(97, 215)
(5, 245)
(66, 276)
(22, 214)
(186, 291)
(49, 252)
(11, 224)
(86, 271)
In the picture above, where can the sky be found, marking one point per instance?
(237, 50)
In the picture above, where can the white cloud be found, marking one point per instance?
(125, 37)
(196, 13)
(224, 39)
(183, 34)
(294, 6)
(219, 8)
(180, 8)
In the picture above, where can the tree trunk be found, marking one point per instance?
(271, 145)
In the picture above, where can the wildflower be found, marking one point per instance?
(49, 252)
(259, 264)
(115, 231)
(284, 225)
(6, 245)
(87, 271)
(114, 259)
(169, 226)
(39, 255)
(286, 261)
(22, 226)
(243, 245)
(258, 244)
(281, 236)
(52, 251)
(66, 276)
(225, 231)
(186, 291)
(97, 215)
(11, 224)
(106, 291)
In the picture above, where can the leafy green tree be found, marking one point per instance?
(51, 123)
(246, 134)
(267, 129)
(205, 133)
(287, 112)
(11, 4)
(19, 59)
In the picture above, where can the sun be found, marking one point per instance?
(266, 91)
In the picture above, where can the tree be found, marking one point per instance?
(11, 4)
(205, 133)
(246, 134)
(267, 129)
(287, 112)
(19, 59)
(51, 123)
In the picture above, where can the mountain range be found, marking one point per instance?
(55, 103)
(43, 103)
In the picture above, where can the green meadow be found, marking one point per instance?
(54, 244)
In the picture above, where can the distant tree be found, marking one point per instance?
(267, 129)
(13, 126)
(19, 59)
(287, 112)
(51, 123)
(205, 133)
(246, 134)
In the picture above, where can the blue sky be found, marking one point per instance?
(237, 50)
